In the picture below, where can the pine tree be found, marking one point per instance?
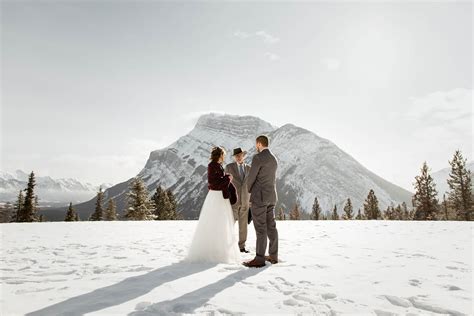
(37, 209)
(162, 204)
(76, 217)
(140, 207)
(371, 206)
(426, 203)
(70, 214)
(405, 213)
(359, 215)
(18, 211)
(389, 213)
(348, 210)
(460, 184)
(111, 211)
(316, 212)
(41, 218)
(334, 215)
(173, 206)
(281, 215)
(6, 211)
(398, 213)
(295, 213)
(445, 208)
(98, 214)
(29, 209)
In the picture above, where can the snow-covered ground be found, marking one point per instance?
(326, 268)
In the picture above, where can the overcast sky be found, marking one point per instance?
(90, 88)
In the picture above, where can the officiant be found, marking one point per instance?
(239, 171)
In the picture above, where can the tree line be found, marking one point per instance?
(162, 205)
(457, 205)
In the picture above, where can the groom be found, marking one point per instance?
(261, 183)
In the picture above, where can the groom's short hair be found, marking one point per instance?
(262, 139)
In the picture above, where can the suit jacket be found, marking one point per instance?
(219, 181)
(239, 183)
(261, 181)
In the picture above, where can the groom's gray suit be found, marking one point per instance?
(261, 183)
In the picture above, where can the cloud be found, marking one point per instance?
(262, 35)
(452, 107)
(242, 35)
(272, 56)
(267, 38)
(442, 119)
(331, 63)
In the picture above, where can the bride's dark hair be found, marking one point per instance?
(216, 153)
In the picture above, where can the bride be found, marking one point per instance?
(214, 240)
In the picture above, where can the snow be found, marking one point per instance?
(326, 268)
(309, 166)
(51, 192)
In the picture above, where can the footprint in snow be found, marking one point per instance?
(414, 282)
(397, 301)
(328, 296)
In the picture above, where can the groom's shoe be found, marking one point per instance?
(271, 259)
(244, 250)
(254, 264)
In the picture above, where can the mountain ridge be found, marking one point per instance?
(309, 166)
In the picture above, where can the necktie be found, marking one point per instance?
(241, 168)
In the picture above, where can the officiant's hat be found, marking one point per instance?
(238, 151)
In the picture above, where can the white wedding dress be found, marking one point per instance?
(214, 239)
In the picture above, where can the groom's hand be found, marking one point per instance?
(230, 176)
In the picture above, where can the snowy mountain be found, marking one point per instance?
(440, 178)
(309, 166)
(51, 192)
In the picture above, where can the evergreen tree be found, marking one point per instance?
(316, 213)
(162, 204)
(405, 213)
(172, 213)
(70, 214)
(281, 215)
(6, 212)
(334, 215)
(76, 217)
(389, 213)
(140, 207)
(41, 218)
(371, 206)
(359, 215)
(445, 208)
(348, 210)
(398, 213)
(426, 203)
(28, 213)
(173, 205)
(295, 213)
(111, 211)
(37, 209)
(98, 214)
(460, 184)
(18, 211)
